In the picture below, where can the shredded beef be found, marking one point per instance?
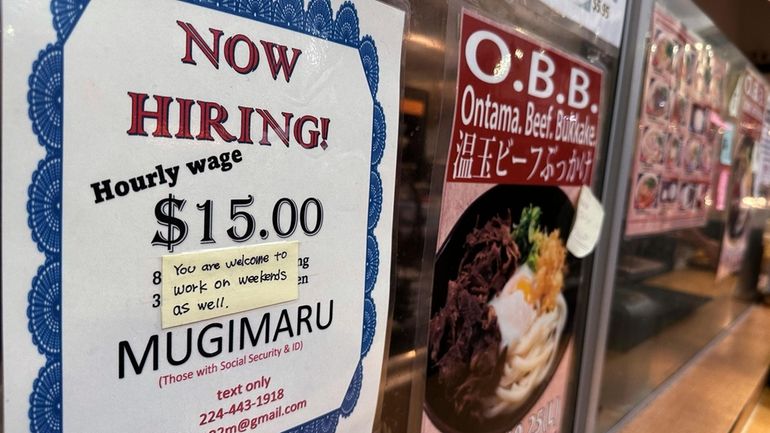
(464, 336)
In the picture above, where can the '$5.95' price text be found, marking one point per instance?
(287, 216)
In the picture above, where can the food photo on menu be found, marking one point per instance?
(501, 308)
(659, 99)
(669, 193)
(693, 154)
(652, 146)
(664, 52)
(687, 196)
(679, 112)
(707, 158)
(646, 191)
(689, 69)
(674, 154)
(698, 119)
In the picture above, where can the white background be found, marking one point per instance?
(609, 29)
(108, 261)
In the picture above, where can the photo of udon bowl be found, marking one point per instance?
(652, 146)
(663, 52)
(658, 95)
(500, 316)
(646, 191)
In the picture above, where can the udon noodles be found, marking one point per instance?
(529, 357)
(528, 360)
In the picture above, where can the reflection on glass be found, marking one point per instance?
(691, 213)
(667, 305)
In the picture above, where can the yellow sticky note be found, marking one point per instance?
(213, 283)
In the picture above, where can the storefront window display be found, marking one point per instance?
(355, 215)
(689, 204)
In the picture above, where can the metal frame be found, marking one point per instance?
(614, 195)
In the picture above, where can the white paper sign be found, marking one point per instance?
(603, 17)
(134, 130)
(588, 224)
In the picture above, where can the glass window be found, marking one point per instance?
(695, 215)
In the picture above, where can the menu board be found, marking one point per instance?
(752, 94)
(197, 202)
(678, 143)
(526, 125)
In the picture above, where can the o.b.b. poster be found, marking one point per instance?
(259, 136)
(526, 127)
(752, 94)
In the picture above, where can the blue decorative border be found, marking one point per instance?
(44, 205)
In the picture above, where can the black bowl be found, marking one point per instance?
(557, 212)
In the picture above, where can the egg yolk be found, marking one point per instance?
(525, 285)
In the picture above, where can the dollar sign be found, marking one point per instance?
(176, 229)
